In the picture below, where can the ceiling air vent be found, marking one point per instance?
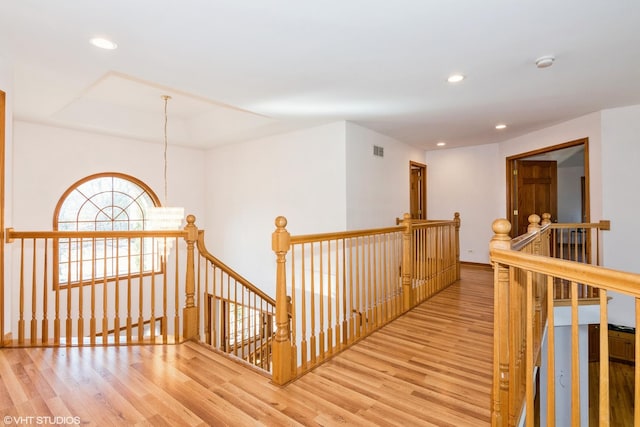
(378, 151)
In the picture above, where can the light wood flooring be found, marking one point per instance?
(431, 367)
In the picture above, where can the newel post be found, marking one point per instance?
(407, 263)
(190, 311)
(534, 226)
(500, 390)
(456, 220)
(281, 347)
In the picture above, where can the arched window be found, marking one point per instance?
(103, 202)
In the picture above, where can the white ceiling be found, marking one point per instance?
(242, 69)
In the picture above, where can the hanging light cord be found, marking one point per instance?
(166, 199)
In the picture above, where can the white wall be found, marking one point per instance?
(377, 187)
(299, 175)
(569, 192)
(48, 160)
(621, 199)
(467, 180)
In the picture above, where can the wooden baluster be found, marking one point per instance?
(312, 305)
(369, 285)
(190, 311)
(92, 320)
(551, 354)
(538, 280)
(282, 357)
(154, 247)
(176, 301)
(530, 345)
(329, 307)
(604, 360)
(152, 292)
(81, 296)
(129, 283)
(105, 318)
(45, 293)
(321, 336)
(56, 320)
(575, 357)
(21, 308)
(337, 292)
(501, 351)
(33, 338)
(303, 307)
(116, 297)
(457, 221)
(407, 263)
(291, 310)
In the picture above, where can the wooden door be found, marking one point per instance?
(536, 190)
(418, 190)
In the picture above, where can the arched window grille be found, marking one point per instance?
(103, 202)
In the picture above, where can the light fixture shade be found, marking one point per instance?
(165, 218)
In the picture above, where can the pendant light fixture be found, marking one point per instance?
(165, 217)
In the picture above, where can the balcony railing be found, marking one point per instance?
(536, 338)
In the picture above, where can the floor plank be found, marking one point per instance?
(430, 367)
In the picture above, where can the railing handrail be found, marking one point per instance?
(11, 234)
(518, 243)
(602, 225)
(320, 237)
(229, 271)
(605, 278)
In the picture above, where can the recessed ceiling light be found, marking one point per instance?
(103, 43)
(545, 61)
(501, 126)
(441, 144)
(455, 78)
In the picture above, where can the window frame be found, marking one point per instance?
(157, 266)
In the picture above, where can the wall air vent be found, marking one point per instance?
(378, 151)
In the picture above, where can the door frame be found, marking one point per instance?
(510, 163)
(423, 185)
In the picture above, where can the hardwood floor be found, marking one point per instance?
(431, 367)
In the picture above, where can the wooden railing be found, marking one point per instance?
(237, 317)
(334, 289)
(579, 242)
(109, 288)
(533, 336)
(342, 287)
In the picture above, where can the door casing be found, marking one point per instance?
(510, 163)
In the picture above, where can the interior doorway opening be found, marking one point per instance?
(418, 190)
(527, 194)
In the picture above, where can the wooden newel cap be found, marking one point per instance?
(501, 227)
(191, 219)
(281, 222)
(546, 218)
(280, 239)
(534, 219)
(406, 216)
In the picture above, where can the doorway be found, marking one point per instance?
(418, 190)
(531, 191)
